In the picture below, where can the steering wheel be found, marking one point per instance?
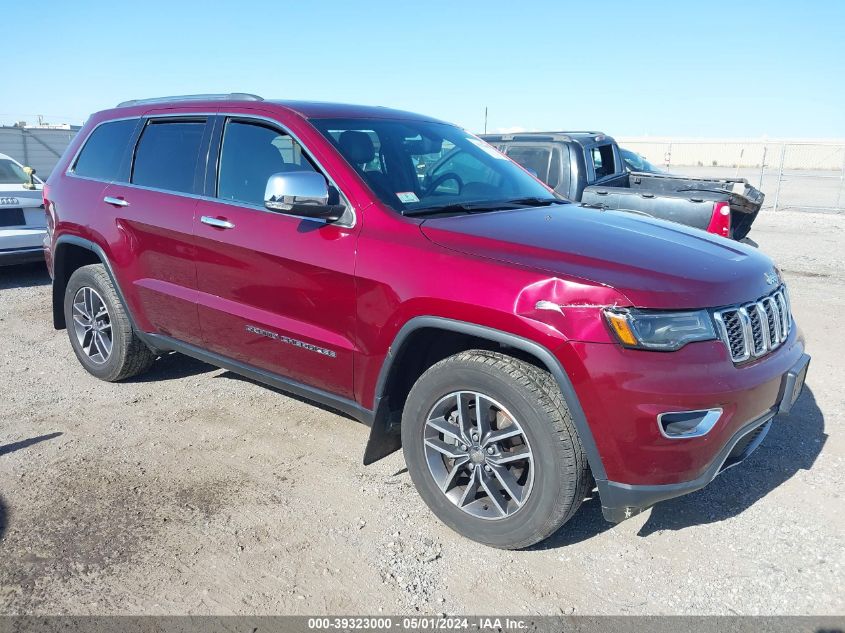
(449, 175)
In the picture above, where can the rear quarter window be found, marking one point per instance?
(166, 155)
(603, 161)
(102, 154)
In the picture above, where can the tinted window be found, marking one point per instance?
(103, 152)
(554, 169)
(166, 156)
(564, 171)
(251, 153)
(534, 159)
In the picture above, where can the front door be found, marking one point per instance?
(275, 291)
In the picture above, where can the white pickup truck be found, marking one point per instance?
(23, 223)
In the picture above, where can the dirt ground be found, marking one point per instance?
(191, 490)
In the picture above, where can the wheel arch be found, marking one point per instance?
(384, 437)
(70, 253)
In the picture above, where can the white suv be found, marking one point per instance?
(23, 223)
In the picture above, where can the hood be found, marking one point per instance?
(654, 263)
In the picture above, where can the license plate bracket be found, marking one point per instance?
(12, 217)
(793, 384)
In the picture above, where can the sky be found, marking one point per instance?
(704, 69)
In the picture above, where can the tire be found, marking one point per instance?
(128, 356)
(520, 392)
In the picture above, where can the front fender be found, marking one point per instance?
(384, 437)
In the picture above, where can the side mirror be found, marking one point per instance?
(303, 193)
(29, 171)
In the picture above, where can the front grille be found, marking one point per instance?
(754, 329)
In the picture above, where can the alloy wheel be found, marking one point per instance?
(478, 454)
(92, 325)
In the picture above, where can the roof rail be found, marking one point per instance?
(232, 96)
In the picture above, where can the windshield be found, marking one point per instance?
(421, 166)
(11, 173)
(635, 162)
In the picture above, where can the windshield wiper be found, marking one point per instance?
(460, 207)
(480, 207)
(534, 201)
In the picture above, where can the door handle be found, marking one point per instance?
(216, 222)
(118, 202)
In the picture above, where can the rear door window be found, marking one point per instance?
(167, 153)
(102, 155)
(535, 159)
(603, 161)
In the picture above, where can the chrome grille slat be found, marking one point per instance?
(770, 305)
(755, 324)
(754, 329)
(783, 304)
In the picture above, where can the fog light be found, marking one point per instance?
(686, 424)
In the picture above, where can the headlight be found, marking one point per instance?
(658, 330)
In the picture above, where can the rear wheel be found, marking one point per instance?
(99, 328)
(490, 445)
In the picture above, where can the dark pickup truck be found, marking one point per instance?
(588, 167)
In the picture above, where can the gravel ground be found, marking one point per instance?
(191, 490)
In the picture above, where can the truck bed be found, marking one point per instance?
(678, 198)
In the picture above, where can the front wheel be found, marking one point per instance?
(491, 447)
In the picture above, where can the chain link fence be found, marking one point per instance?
(794, 175)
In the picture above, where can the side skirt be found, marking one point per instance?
(349, 407)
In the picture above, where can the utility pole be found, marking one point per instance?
(485, 119)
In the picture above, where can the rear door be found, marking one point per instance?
(276, 291)
(155, 212)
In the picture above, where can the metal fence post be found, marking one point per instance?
(780, 175)
(762, 166)
(841, 182)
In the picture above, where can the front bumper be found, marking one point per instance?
(623, 393)
(622, 501)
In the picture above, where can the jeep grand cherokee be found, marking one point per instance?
(517, 347)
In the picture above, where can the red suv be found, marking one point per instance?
(519, 348)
